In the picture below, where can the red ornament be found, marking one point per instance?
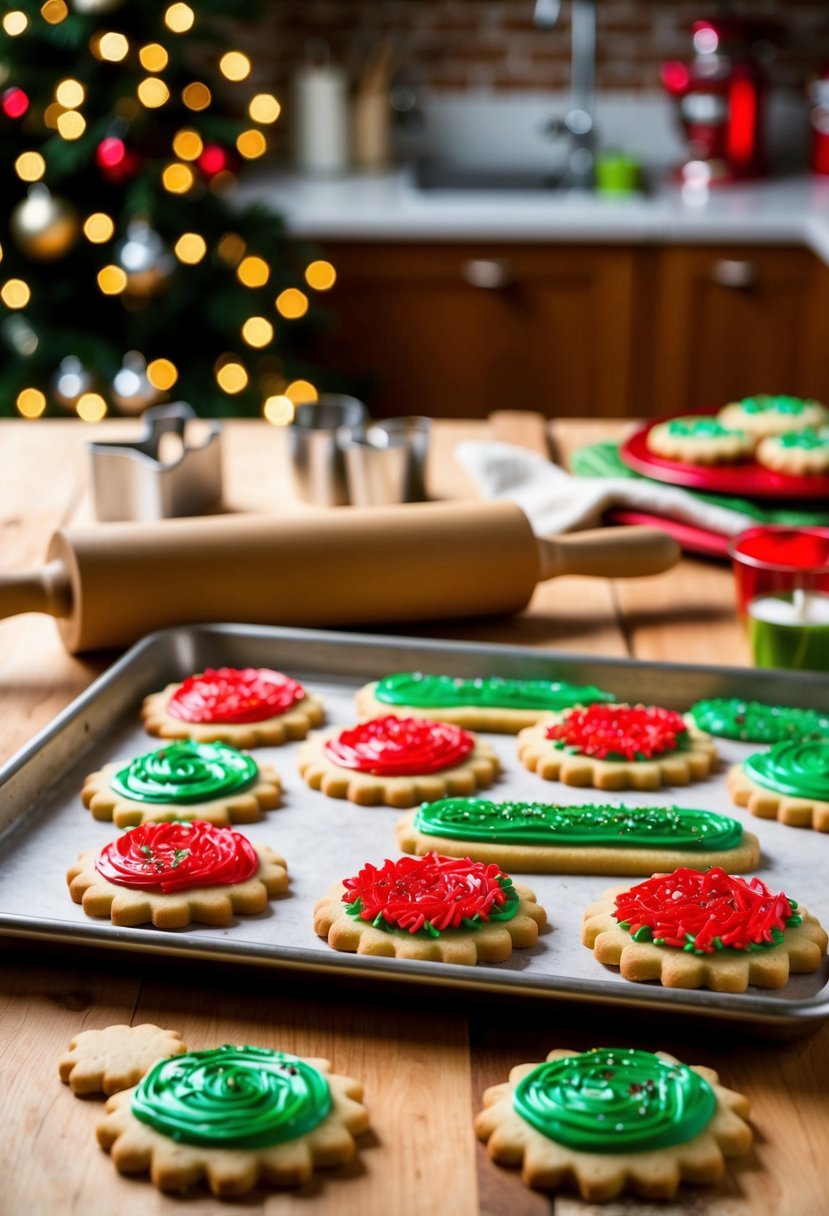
(15, 103)
(214, 159)
(117, 162)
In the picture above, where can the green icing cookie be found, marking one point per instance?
(754, 722)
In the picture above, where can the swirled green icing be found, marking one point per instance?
(233, 1097)
(615, 1100)
(185, 772)
(764, 404)
(445, 692)
(799, 769)
(699, 428)
(809, 438)
(551, 824)
(733, 718)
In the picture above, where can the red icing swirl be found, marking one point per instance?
(178, 856)
(443, 891)
(630, 732)
(232, 695)
(400, 747)
(704, 912)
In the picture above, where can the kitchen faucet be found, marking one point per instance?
(578, 121)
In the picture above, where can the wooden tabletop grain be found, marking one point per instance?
(424, 1059)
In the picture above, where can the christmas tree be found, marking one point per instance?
(128, 275)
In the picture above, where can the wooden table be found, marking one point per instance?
(424, 1060)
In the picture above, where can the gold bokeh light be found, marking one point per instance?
(253, 272)
(91, 407)
(231, 248)
(15, 23)
(54, 11)
(30, 166)
(112, 46)
(302, 392)
(177, 178)
(187, 144)
(257, 331)
(152, 92)
(162, 374)
(112, 280)
(31, 403)
(190, 248)
(179, 18)
(98, 227)
(70, 94)
(291, 303)
(153, 57)
(279, 410)
(196, 96)
(264, 108)
(320, 275)
(15, 293)
(234, 66)
(231, 376)
(251, 144)
(71, 124)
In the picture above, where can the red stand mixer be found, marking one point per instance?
(721, 98)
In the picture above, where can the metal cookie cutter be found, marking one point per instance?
(155, 477)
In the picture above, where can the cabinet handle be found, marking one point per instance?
(734, 272)
(489, 273)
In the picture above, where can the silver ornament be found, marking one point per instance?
(131, 391)
(94, 7)
(145, 258)
(71, 380)
(44, 226)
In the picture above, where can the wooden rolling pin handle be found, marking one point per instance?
(609, 553)
(44, 589)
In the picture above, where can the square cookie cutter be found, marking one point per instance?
(165, 473)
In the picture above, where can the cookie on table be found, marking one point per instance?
(789, 782)
(183, 780)
(766, 414)
(439, 909)
(396, 761)
(170, 874)
(756, 722)
(614, 1119)
(115, 1058)
(700, 440)
(714, 930)
(617, 747)
(234, 1116)
(551, 838)
(247, 707)
(797, 453)
(493, 703)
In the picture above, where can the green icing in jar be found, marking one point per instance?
(615, 1100)
(552, 824)
(185, 772)
(754, 722)
(798, 769)
(233, 1097)
(495, 692)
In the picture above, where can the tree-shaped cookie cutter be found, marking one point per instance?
(145, 480)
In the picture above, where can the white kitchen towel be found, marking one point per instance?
(555, 501)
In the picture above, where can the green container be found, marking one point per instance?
(787, 633)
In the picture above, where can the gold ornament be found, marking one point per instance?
(144, 258)
(44, 226)
(70, 382)
(95, 7)
(132, 391)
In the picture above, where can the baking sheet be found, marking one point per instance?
(44, 824)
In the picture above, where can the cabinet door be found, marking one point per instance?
(460, 330)
(736, 321)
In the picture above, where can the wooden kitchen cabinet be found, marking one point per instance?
(733, 321)
(460, 330)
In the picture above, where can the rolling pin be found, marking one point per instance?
(109, 585)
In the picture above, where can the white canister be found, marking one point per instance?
(321, 126)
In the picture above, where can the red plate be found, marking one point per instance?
(748, 479)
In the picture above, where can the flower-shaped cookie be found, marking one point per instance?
(247, 707)
(767, 414)
(440, 909)
(112, 1059)
(614, 1119)
(714, 930)
(789, 782)
(183, 780)
(493, 703)
(551, 838)
(616, 747)
(700, 440)
(797, 453)
(173, 873)
(397, 761)
(234, 1116)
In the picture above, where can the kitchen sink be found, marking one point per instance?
(436, 175)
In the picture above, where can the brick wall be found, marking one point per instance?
(493, 44)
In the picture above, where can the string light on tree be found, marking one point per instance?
(251, 144)
(234, 66)
(278, 410)
(54, 11)
(179, 18)
(112, 280)
(187, 144)
(15, 23)
(31, 403)
(70, 94)
(153, 57)
(231, 375)
(302, 392)
(320, 275)
(91, 407)
(30, 166)
(292, 303)
(264, 108)
(98, 228)
(257, 331)
(196, 96)
(15, 293)
(111, 46)
(190, 248)
(162, 374)
(15, 102)
(153, 92)
(71, 124)
(253, 271)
